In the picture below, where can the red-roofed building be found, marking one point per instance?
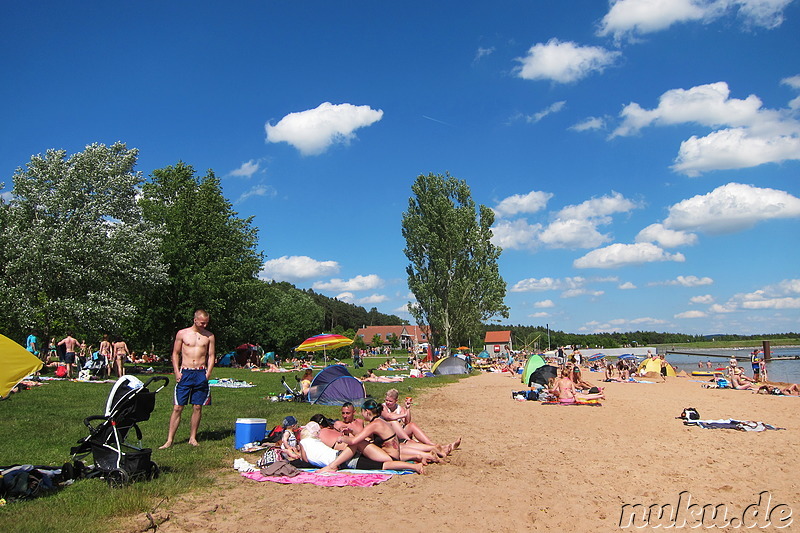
(410, 336)
(497, 342)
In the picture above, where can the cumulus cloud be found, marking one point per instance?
(598, 207)
(347, 297)
(780, 296)
(666, 238)
(563, 62)
(573, 293)
(296, 268)
(590, 123)
(750, 135)
(572, 286)
(628, 18)
(704, 299)
(627, 286)
(731, 208)
(358, 283)
(515, 204)
(575, 233)
(541, 314)
(373, 299)
(793, 82)
(246, 170)
(621, 255)
(515, 234)
(314, 130)
(691, 314)
(621, 324)
(544, 304)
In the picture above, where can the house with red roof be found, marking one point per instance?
(497, 342)
(410, 336)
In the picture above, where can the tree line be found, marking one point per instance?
(88, 245)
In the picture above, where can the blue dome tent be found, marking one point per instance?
(334, 386)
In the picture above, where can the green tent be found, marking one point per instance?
(15, 363)
(534, 361)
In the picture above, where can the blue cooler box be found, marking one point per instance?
(249, 430)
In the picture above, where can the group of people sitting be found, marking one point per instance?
(385, 438)
(572, 388)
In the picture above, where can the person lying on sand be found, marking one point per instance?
(791, 390)
(315, 452)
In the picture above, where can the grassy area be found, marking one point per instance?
(40, 425)
(774, 343)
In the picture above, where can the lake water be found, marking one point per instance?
(788, 371)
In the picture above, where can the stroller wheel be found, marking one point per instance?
(117, 478)
(154, 471)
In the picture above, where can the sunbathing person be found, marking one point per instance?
(315, 452)
(738, 380)
(578, 380)
(406, 429)
(565, 391)
(371, 377)
(381, 434)
(791, 390)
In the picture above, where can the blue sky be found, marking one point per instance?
(642, 156)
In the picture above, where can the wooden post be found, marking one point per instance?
(767, 353)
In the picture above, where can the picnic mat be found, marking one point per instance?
(333, 479)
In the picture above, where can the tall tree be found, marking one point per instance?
(211, 254)
(453, 270)
(74, 242)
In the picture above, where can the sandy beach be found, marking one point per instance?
(524, 466)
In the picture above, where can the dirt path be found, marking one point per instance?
(530, 467)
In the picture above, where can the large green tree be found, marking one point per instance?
(211, 254)
(453, 271)
(76, 250)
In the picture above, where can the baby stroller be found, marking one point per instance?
(129, 402)
(95, 367)
(289, 394)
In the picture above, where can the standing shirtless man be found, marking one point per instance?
(192, 362)
(71, 344)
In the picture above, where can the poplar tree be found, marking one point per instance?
(453, 271)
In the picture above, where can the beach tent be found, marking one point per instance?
(543, 374)
(654, 365)
(449, 366)
(334, 386)
(534, 361)
(484, 355)
(15, 363)
(226, 359)
(268, 357)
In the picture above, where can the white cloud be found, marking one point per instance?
(636, 17)
(347, 297)
(314, 130)
(575, 233)
(751, 135)
(515, 235)
(515, 204)
(257, 190)
(691, 314)
(621, 324)
(572, 286)
(666, 238)
(620, 255)
(573, 293)
(483, 52)
(686, 281)
(541, 314)
(246, 170)
(563, 62)
(373, 299)
(598, 207)
(705, 299)
(627, 286)
(793, 81)
(544, 304)
(358, 283)
(549, 110)
(402, 309)
(731, 208)
(782, 295)
(534, 284)
(590, 123)
(296, 268)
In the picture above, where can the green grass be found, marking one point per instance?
(40, 425)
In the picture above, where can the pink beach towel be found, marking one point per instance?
(325, 480)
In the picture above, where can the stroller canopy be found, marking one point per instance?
(334, 386)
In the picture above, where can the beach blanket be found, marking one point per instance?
(592, 403)
(740, 425)
(333, 479)
(229, 383)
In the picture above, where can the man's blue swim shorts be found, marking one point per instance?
(193, 387)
